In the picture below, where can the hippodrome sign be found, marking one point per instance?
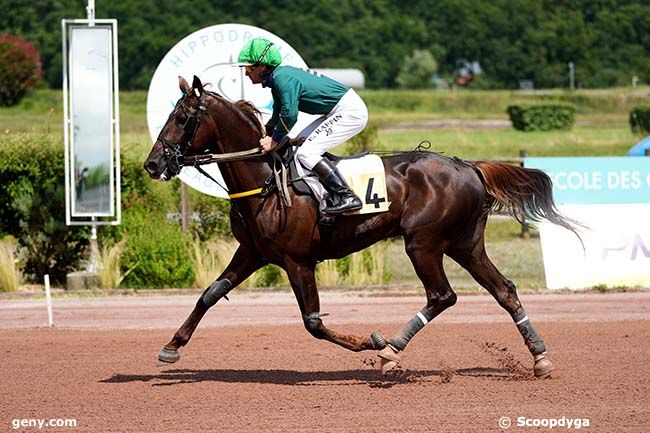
(210, 53)
(611, 196)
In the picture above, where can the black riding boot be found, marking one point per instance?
(341, 198)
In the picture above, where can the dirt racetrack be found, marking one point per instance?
(252, 367)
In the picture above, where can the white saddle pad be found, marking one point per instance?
(364, 175)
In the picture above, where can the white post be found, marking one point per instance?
(48, 301)
(90, 9)
(571, 76)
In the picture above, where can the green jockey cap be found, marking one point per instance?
(259, 51)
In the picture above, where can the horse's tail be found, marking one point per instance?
(524, 193)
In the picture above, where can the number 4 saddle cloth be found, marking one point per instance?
(363, 173)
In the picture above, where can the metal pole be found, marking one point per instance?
(94, 249)
(571, 76)
(90, 9)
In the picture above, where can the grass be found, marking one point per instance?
(327, 274)
(9, 276)
(506, 143)
(485, 104)
(209, 259)
(110, 271)
(518, 259)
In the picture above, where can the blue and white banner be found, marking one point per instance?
(611, 197)
(597, 180)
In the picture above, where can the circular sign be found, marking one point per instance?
(211, 54)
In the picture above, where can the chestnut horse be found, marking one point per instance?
(439, 205)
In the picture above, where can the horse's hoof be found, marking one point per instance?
(543, 366)
(167, 356)
(389, 359)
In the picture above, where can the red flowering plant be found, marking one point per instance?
(20, 68)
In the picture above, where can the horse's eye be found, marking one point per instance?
(181, 120)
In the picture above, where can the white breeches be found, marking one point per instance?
(346, 120)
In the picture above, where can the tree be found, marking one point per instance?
(20, 68)
(417, 71)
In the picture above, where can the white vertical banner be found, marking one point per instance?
(610, 196)
(616, 247)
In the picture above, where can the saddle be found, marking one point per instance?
(367, 184)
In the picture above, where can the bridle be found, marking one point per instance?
(175, 151)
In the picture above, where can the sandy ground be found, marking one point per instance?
(252, 367)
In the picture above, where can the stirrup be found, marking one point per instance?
(353, 204)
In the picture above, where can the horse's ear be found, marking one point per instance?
(197, 85)
(185, 87)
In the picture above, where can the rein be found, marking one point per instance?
(175, 151)
(209, 158)
(279, 173)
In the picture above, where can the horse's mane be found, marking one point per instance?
(244, 109)
(251, 114)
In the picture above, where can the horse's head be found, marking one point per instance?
(184, 133)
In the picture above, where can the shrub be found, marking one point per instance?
(137, 191)
(268, 276)
(135, 185)
(156, 251)
(210, 216)
(541, 117)
(20, 68)
(33, 211)
(417, 71)
(640, 119)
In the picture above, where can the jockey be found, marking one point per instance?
(343, 115)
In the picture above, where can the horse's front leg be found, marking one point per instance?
(303, 283)
(245, 261)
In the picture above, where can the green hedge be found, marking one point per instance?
(640, 119)
(541, 117)
(155, 250)
(32, 194)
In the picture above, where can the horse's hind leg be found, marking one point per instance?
(427, 262)
(477, 262)
(303, 282)
(244, 262)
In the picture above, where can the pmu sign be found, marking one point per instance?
(611, 197)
